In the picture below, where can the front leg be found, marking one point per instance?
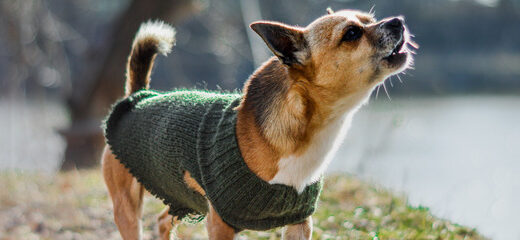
(300, 231)
(217, 228)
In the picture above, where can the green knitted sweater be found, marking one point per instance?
(159, 136)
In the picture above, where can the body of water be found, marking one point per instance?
(459, 156)
(29, 138)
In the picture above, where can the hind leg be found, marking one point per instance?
(167, 223)
(126, 194)
(301, 231)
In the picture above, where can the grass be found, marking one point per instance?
(75, 205)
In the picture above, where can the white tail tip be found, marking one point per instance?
(163, 33)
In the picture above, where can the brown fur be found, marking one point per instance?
(314, 79)
(217, 228)
(139, 65)
(166, 223)
(126, 194)
(299, 231)
(193, 184)
(259, 156)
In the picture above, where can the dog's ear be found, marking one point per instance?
(286, 42)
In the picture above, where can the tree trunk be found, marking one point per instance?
(91, 98)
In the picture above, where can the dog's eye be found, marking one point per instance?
(353, 33)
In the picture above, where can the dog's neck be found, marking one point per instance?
(284, 134)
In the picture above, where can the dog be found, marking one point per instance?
(286, 124)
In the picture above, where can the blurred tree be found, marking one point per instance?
(33, 52)
(91, 96)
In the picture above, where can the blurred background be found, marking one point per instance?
(445, 134)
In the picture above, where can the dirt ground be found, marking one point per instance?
(75, 205)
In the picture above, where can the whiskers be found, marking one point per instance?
(409, 42)
(389, 79)
(386, 91)
(410, 46)
(384, 87)
(399, 77)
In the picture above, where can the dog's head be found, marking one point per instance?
(340, 53)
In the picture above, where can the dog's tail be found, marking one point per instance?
(153, 37)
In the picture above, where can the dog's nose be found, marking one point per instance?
(395, 24)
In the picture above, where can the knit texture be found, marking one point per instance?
(159, 136)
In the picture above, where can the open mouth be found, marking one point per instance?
(398, 54)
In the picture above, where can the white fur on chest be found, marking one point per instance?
(300, 171)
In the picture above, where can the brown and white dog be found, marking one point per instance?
(296, 107)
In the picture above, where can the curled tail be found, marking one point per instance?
(152, 38)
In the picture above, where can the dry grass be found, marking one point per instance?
(75, 205)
